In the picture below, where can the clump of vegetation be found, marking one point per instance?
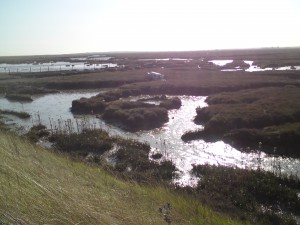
(37, 132)
(19, 97)
(155, 98)
(256, 195)
(236, 64)
(98, 103)
(157, 155)
(191, 135)
(130, 115)
(284, 137)
(171, 103)
(164, 101)
(206, 65)
(119, 93)
(22, 115)
(3, 126)
(31, 90)
(92, 105)
(88, 141)
(135, 115)
(132, 159)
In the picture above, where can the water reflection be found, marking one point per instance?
(53, 106)
(165, 59)
(166, 139)
(252, 68)
(221, 62)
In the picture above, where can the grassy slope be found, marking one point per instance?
(39, 187)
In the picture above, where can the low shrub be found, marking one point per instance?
(88, 141)
(172, 103)
(36, 132)
(91, 105)
(134, 163)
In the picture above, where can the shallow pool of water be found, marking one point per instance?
(252, 68)
(165, 59)
(167, 139)
(221, 62)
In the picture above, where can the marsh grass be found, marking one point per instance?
(135, 115)
(259, 195)
(87, 141)
(270, 115)
(37, 132)
(284, 137)
(22, 115)
(130, 157)
(38, 186)
(84, 142)
(134, 164)
(131, 115)
(19, 97)
(187, 81)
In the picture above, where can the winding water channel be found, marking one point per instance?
(167, 139)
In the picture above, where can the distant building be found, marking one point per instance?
(155, 76)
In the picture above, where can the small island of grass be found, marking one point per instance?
(22, 115)
(135, 115)
(130, 115)
(245, 118)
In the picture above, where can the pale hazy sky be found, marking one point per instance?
(30, 27)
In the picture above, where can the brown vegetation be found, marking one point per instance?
(256, 195)
(130, 115)
(135, 115)
(269, 115)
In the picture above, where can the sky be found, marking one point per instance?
(37, 27)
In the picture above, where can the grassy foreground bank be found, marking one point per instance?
(40, 187)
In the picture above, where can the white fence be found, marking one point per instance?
(57, 66)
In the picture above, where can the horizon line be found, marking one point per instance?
(149, 51)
